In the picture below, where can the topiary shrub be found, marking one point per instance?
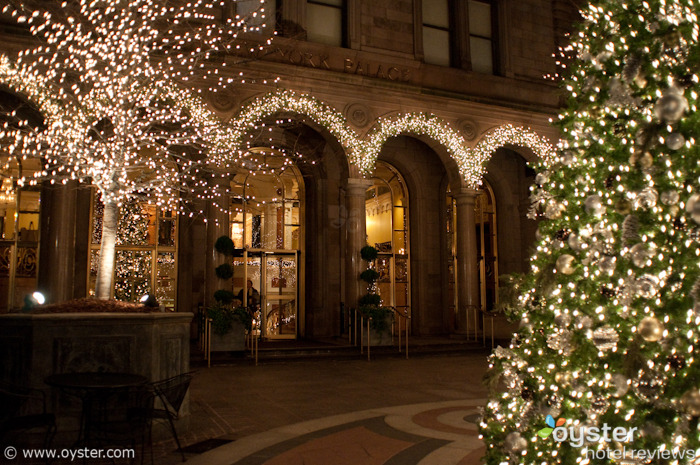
(224, 245)
(369, 276)
(223, 296)
(370, 300)
(368, 253)
(224, 271)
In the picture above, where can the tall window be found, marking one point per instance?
(436, 32)
(19, 211)
(146, 257)
(19, 242)
(481, 45)
(325, 21)
(386, 205)
(450, 29)
(256, 14)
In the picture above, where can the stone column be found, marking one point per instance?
(356, 239)
(57, 252)
(217, 226)
(467, 278)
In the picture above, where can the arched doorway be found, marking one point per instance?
(266, 221)
(386, 205)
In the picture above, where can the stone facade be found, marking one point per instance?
(379, 74)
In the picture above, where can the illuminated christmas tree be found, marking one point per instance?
(107, 76)
(603, 369)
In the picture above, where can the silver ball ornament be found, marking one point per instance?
(690, 401)
(621, 385)
(605, 338)
(607, 264)
(565, 264)
(671, 106)
(640, 254)
(650, 329)
(553, 210)
(693, 207)
(670, 197)
(675, 141)
(515, 443)
(594, 205)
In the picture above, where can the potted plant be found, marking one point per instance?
(370, 305)
(228, 326)
(228, 322)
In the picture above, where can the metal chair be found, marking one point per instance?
(120, 416)
(172, 392)
(18, 412)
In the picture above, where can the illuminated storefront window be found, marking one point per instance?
(146, 255)
(386, 205)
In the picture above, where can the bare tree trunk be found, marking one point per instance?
(105, 268)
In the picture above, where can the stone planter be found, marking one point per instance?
(380, 338)
(33, 346)
(233, 341)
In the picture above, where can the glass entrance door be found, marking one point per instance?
(274, 277)
(279, 315)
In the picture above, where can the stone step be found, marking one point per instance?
(272, 351)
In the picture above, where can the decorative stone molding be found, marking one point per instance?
(358, 114)
(468, 128)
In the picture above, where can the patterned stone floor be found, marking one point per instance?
(436, 433)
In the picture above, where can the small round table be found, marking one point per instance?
(96, 392)
(95, 381)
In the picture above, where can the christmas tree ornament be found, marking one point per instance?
(632, 68)
(675, 141)
(630, 229)
(594, 205)
(561, 342)
(647, 286)
(621, 384)
(693, 207)
(541, 179)
(565, 264)
(646, 160)
(670, 197)
(640, 254)
(694, 234)
(676, 362)
(584, 322)
(553, 210)
(648, 386)
(604, 338)
(574, 242)
(650, 329)
(563, 320)
(646, 199)
(652, 430)
(671, 106)
(598, 406)
(515, 443)
(623, 206)
(607, 264)
(562, 234)
(690, 402)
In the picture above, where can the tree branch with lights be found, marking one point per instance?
(106, 76)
